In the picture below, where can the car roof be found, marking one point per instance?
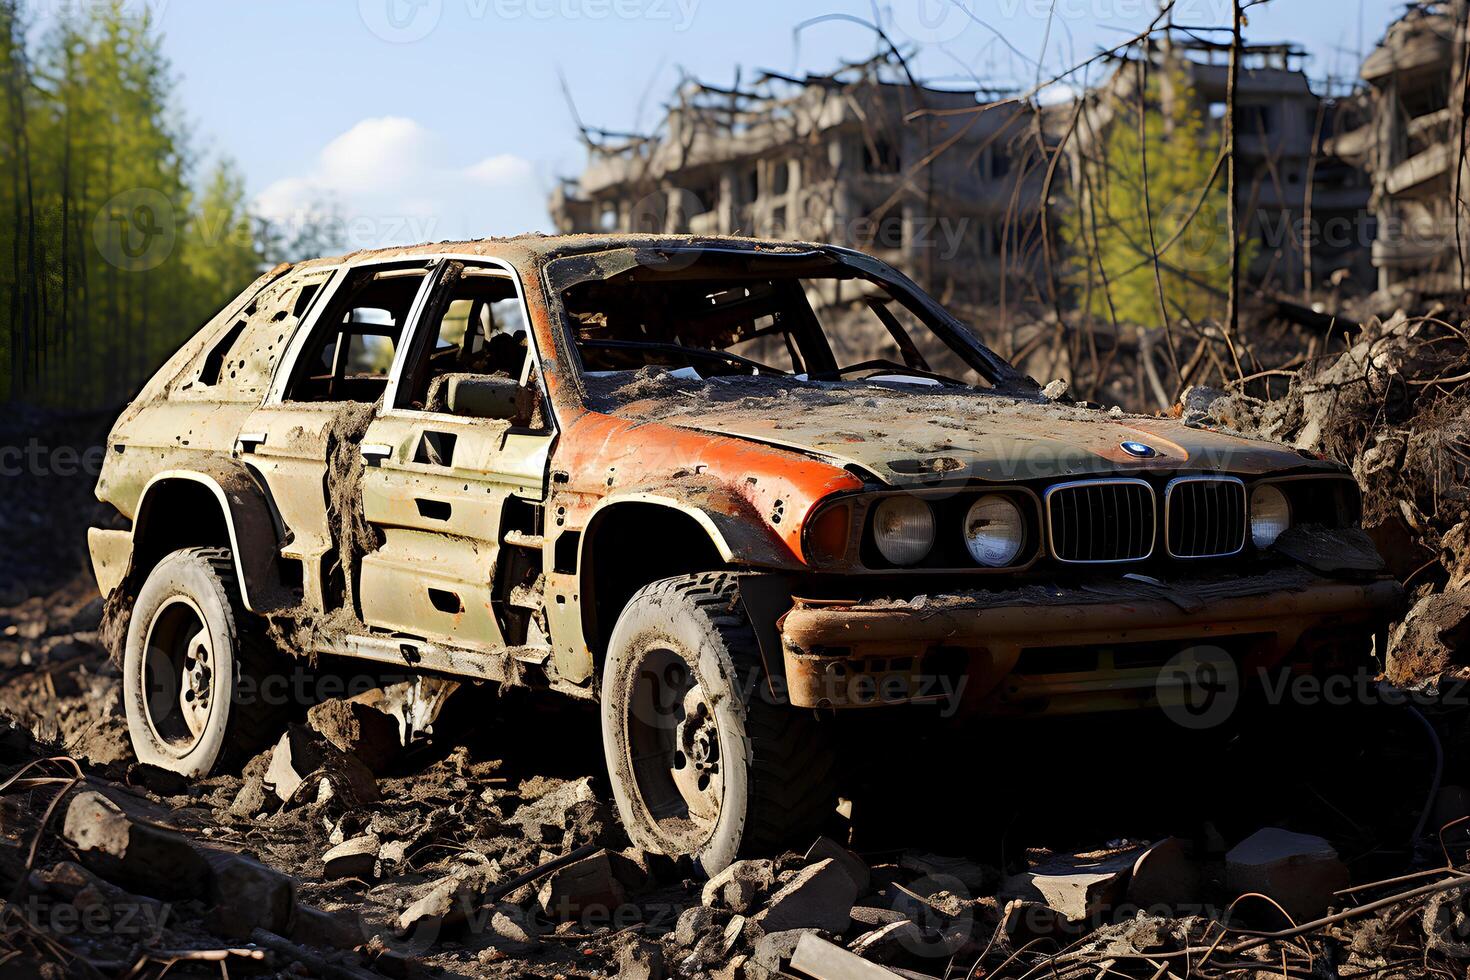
(537, 249)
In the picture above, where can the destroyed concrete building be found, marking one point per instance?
(1287, 181)
(917, 175)
(1411, 142)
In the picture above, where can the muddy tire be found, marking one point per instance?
(702, 759)
(189, 642)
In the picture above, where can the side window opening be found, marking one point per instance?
(349, 354)
(240, 365)
(477, 330)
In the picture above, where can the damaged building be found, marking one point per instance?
(917, 175)
(1411, 143)
(1287, 181)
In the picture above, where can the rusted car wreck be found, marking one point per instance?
(728, 488)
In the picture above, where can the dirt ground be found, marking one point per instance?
(1091, 847)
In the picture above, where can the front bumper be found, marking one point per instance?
(1045, 649)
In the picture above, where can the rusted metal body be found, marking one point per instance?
(369, 520)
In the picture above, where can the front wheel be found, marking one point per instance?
(702, 760)
(189, 643)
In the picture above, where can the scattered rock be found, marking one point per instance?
(694, 923)
(582, 887)
(883, 943)
(1164, 877)
(772, 951)
(820, 896)
(639, 959)
(1299, 872)
(1080, 887)
(356, 857)
(737, 886)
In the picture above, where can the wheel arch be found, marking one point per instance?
(636, 539)
(221, 506)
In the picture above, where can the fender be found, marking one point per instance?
(734, 528)
(248, 518)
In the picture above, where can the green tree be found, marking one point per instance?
(1184, 196)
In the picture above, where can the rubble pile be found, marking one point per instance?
(310, 864)
(1395, 406)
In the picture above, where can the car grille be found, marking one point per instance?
(1101, 520)
(1205, 516)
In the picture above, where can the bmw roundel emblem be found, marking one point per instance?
(1139, 449)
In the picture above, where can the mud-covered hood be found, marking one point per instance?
(907, 439)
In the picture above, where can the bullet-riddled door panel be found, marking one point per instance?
(443, 490)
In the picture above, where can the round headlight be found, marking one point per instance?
(1270, 515)
(994, 530)
(903, 529)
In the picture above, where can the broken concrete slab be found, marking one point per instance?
(302, 754)
(356, 857)
(819, 896)
(1300, 872)
(856, 868)
(131, 852)
(545, 818)
(582, 887)
(772, 951)
(1078, 887)
(640, 959)
(738, 885)
(816, 957)
(358, 728)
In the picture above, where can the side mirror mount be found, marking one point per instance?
(481, 396)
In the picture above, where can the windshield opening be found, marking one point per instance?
(801, 318)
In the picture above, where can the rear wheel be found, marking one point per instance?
(703, 761)
(189, 642)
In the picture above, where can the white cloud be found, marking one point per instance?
(394, 181)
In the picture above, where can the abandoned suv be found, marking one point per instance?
(727, 489)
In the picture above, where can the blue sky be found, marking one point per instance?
(444, 118)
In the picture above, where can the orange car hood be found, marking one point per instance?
(911, 438)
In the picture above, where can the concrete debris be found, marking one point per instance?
(1164, 877)
(1078, 887)
(737, 887)
(856, 867)
(306, 768)
(817, 958)
(356, 857)
(820, 896)
(1299, 872)
(358, 728)
(585, 886)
